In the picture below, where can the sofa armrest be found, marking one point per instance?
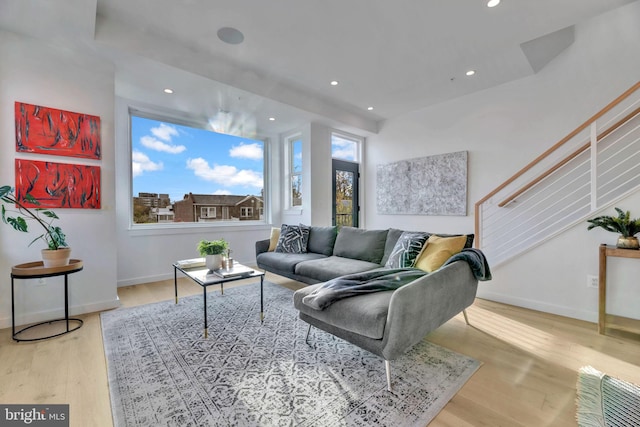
(262, 246)
(426, 303)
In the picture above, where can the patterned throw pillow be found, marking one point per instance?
(406, 249)
(293, 239)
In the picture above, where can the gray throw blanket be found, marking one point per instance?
(477, 261)
(360, 283)
(386, 280)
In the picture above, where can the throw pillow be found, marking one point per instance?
(438, 250)
(406, 250)
(293, 239)
(273, 239)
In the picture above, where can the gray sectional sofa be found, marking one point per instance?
(331, 254)
(386, 323)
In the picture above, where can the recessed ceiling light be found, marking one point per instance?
(167, 90)
(272, 119)
(493, 3)
(369, 108)
(334, 83)
(230, 35)
(470, 73)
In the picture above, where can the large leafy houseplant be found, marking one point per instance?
(52, 236)
(626, 227)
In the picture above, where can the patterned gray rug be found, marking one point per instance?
(163, 372)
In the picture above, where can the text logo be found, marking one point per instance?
(34, 415)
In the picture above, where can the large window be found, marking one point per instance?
(295, 170)
(186, 174)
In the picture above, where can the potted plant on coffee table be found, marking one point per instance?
(58, 252)
(213, 251)
(626, 227)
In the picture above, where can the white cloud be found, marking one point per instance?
(155, 144)
(164, 132)
(247, 151)
(348, 153)
(222, 192)
(224, 174)
(140, 163)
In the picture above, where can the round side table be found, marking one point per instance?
(37, 270)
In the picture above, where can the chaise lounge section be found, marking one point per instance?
(386, 322)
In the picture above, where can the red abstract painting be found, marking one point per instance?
(58, 185)
(62, 133)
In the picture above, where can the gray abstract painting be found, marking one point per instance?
(433, 185)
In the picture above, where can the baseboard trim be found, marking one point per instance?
(42, 316)
(144, 279)
(540, 306)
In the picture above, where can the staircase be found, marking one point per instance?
(590, 169)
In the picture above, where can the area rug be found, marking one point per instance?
(162, 371)
(606, 401)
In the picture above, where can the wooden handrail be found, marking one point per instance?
(541, 157)
(567, 159)
(561, 142)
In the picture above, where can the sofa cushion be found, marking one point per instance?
(324, 269)
(365, 315)
(283, 261)
(322, 239)
(406, 250)
(356, 243)
(293, 239)
(438, 250)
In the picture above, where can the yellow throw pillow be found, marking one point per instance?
(273, 240)
(438, 250)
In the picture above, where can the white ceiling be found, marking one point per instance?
(397, 56)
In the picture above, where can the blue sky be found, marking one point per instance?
(174, 159)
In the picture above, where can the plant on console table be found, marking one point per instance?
(213, 251)
(58, 252)
(622, 224)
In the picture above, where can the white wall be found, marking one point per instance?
(503, 129)
(63, 78)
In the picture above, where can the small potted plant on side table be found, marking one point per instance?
(626, 227)
(58, 252)
(213, 251)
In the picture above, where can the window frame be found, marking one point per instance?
(173, 117)
(358, 140)
(209, 208)
(246, 211)
(290, 172)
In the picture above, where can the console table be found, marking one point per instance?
(37, 270)
(607, 322)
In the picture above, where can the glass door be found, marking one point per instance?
(345, 193)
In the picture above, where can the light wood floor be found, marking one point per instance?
(530, 363)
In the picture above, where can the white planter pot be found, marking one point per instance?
(56, 258)
(213, 262)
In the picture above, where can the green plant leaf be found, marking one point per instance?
(18, 223)
(29, 198)
(50, 214)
